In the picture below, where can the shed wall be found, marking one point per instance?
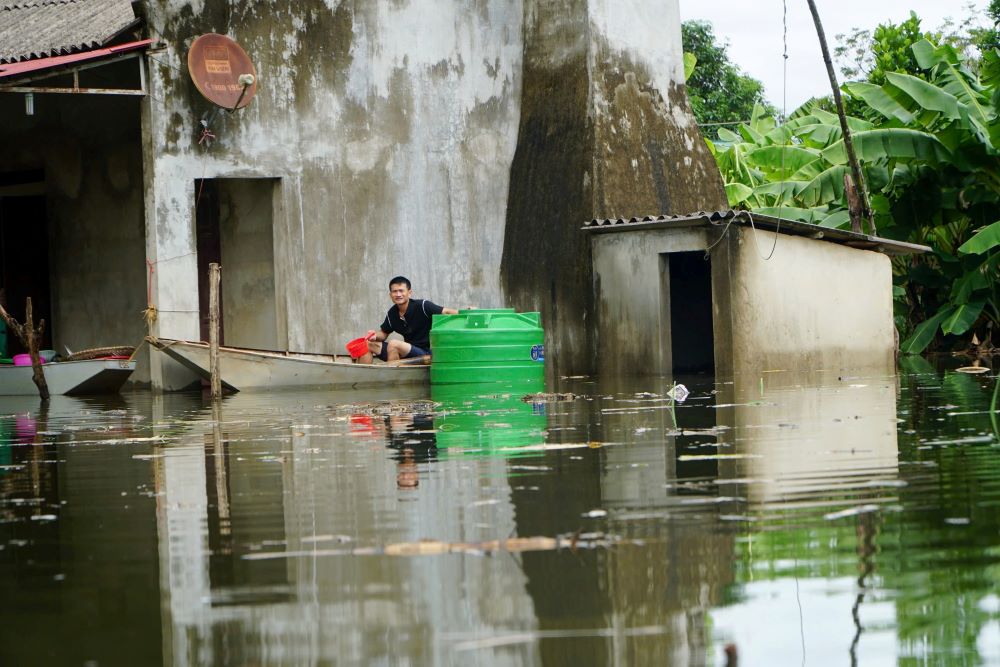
(812, 304)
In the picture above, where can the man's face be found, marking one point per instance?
(399, 293)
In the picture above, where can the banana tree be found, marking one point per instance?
(930, 152)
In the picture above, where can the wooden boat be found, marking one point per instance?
(244, 368)
(85, 376)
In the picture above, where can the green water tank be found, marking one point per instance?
(499, 345)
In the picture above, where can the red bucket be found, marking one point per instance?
(357, 347)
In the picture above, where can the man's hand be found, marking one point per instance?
(370, 335)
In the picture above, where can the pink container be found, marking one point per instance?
(24, 360)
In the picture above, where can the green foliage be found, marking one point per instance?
(928, 138)
(719, 92)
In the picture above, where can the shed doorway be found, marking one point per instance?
(692, 344)
(234, 223)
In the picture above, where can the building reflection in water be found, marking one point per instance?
(816, 457)
(644, 601)
(317, 491)
(77, 585)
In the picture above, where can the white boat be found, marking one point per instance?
(88, 376)
(244, 368)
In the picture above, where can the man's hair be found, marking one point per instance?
(400, 280)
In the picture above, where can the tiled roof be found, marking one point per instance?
(41, 28)
(748, 219)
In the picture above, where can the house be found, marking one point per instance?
(448, 142)
(734, 292)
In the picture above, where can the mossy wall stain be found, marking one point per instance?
(651, 157)
(597, 139)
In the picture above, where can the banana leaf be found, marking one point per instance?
(961, 317)
(779, 193)
(737, 193)
(985, 239)
(926, 95)
(923, 334)
(976, 278)
(854, 124)
(819, 135)
(879, 100)
(953, 78)
(730, 136)
(892, 143)
(782, 159)
(826, 188)
(809, 215)
(836, 220)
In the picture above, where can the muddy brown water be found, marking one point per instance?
(803, 518)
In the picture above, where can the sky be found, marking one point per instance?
(754, 33)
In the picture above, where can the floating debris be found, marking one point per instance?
(437, 547)
(679, 393)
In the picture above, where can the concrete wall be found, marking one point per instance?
(812, 304)
(88, 147)
(606, 130)
(246, 231)
(633, 297)
(391, 127)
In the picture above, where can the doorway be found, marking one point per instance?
(692, 342)
(24, 253)
(234, 224)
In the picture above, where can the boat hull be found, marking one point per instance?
(73, 378)
(242, 369)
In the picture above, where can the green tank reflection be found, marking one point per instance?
(494, 418)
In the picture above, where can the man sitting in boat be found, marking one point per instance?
(411, 318)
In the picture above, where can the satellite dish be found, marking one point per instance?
(222, 71)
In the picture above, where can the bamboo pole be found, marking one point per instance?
(214, 277)
(859, 180)
(29, 336)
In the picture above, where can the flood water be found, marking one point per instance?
(802, 518)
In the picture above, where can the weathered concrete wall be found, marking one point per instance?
(633, 298)
(605, 130)
(249, 316)
(768, 314)
(391, 128)
(88, 147)
(813, 304)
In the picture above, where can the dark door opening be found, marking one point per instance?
(209, 240)
(24, 255)
(235, 227)
(692, 342)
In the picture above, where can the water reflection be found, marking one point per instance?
(813, 458)
(823, 516)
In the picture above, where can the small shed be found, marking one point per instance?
(731, 291)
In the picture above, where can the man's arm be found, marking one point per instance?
(449, 311)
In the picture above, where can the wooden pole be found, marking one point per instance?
(214, 277)
(29, 336)
(852, 158)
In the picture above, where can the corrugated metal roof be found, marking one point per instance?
(12, 70)
(42, 28)
(791, 227)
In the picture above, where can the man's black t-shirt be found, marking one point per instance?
(415, 326)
